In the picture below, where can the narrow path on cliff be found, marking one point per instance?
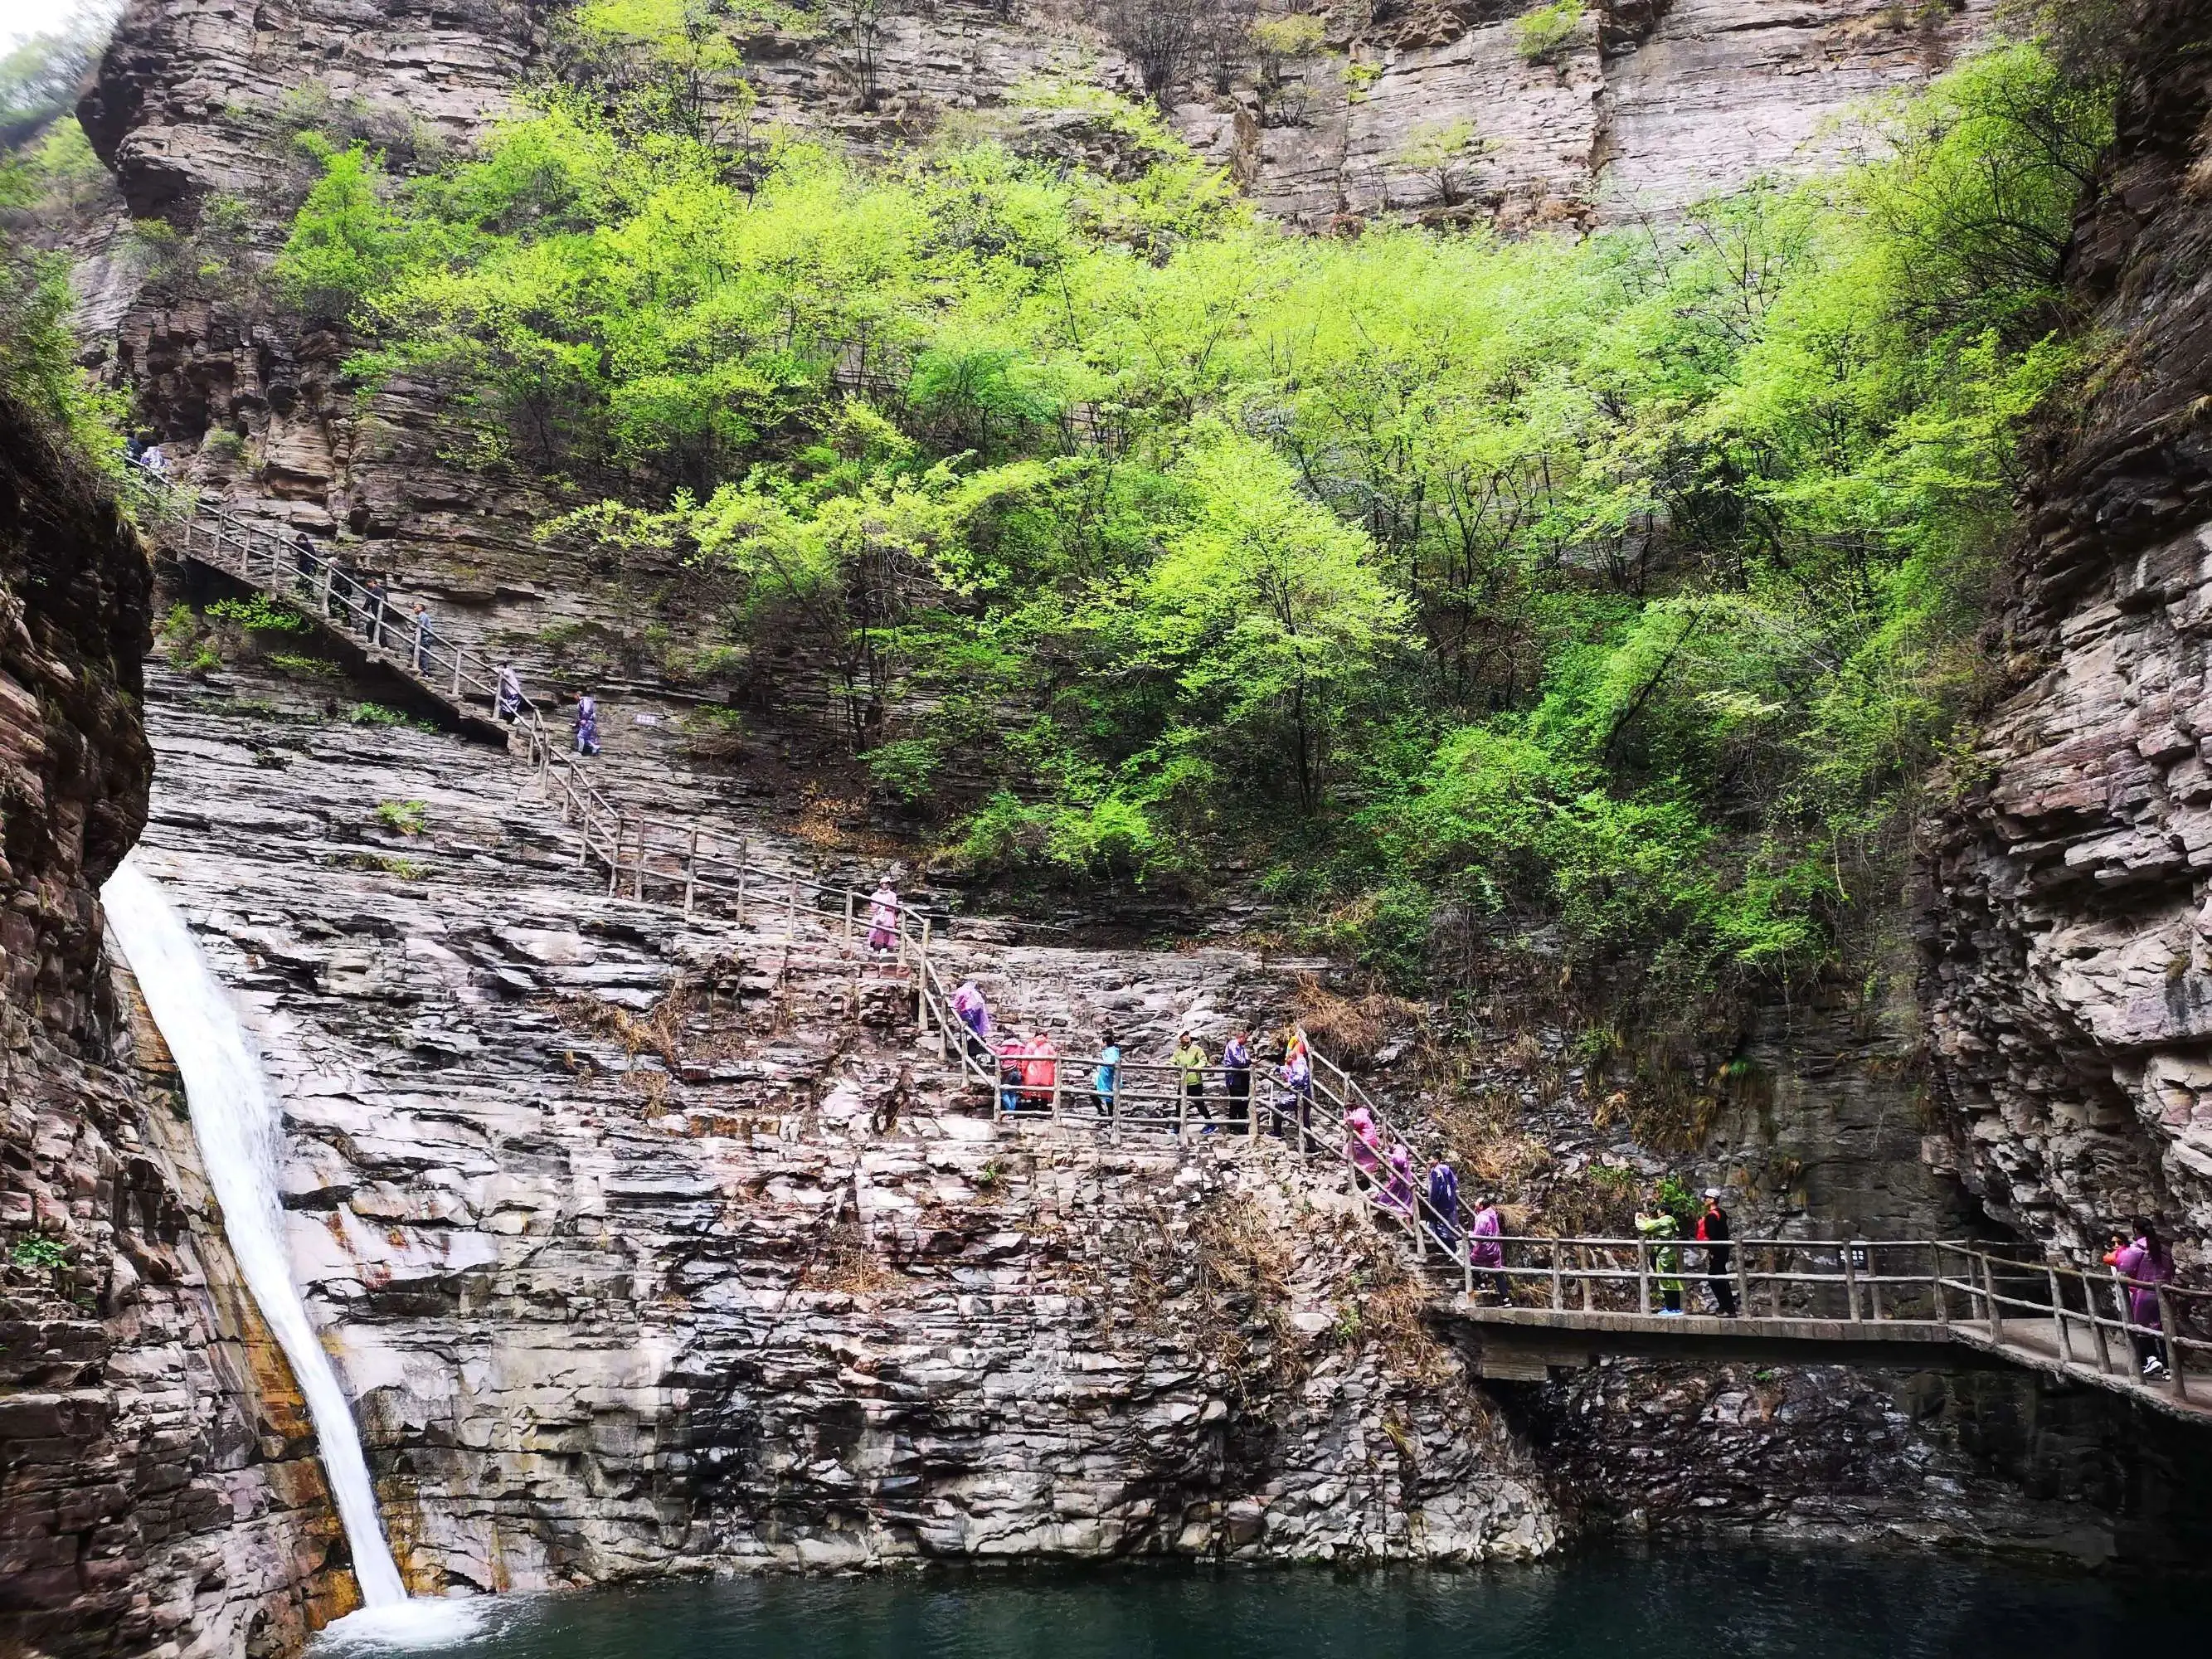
(2044, 1316)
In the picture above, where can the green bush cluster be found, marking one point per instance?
(1600, 599)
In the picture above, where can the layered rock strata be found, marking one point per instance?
(647, 1246)
(158, 1487)
(2068, 955)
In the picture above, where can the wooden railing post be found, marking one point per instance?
(691, 870)
(1936, 1285)
(1990, 1295)
(637, 881)
(1743, 1281)
(1558, 1285)
(2058, 1317)
(741, 846)
(614, 857)
(848, 915)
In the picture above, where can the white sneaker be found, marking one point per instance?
(2154, 1367)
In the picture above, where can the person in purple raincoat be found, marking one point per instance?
(2143, 1264)
(1484, 1253)
(587, 725)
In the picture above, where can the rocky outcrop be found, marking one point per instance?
(647, 1246)
(158, 1487)
(2068, 961)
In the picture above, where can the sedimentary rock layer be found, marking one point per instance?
(2068, 955)
(157, 1476)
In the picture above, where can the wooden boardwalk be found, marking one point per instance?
(1940, 1304)
(1572, 1301)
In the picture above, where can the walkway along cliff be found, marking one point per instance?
(647, 1226)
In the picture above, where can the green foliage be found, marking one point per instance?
(42, 1254)
(1544, 36)
(38, 358)
(404, 817)
(375, 714)
(1598, 604)
(304, 667)
(345, 243)
(257, 613)
(1292, 34)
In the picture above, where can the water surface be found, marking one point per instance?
(1700, 1603)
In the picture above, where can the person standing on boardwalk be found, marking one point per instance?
(1106, 1081)
(1665, 1254)
(1189, 1061)
(1297, 1082)
(507, 702)
(2141, 1266)
(1236, 1077)
(425, 637)
(1713, 1232)
(1484, 1254)
(587, 725)
(1041, 1072)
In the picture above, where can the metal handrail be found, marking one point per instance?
(693, 861)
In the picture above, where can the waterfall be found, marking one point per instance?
(236, 1124)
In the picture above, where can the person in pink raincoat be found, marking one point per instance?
(1362, 1144)
(1398, 1192)
(882, 918)
(1484, 1253)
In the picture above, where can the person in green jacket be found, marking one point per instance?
(1189, 1061)
(1665, 1255)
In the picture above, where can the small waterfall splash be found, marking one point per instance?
(236, 1124)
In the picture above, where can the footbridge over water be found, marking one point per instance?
(1550, 1302)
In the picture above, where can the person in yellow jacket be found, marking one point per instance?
(1189, 1061)
(1665, 1255)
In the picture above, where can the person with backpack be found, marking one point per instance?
(1713, 1232)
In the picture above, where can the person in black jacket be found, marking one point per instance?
(1713, 1233)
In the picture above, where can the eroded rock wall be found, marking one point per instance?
(648, 1246)
(158, 1487)
(2068, 959)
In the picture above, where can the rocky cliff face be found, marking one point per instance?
(158, 1487)
(648, 1247)
(2068, 958)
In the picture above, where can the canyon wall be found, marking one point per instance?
(651, 1246)
(158, 1485)
(2068, 979)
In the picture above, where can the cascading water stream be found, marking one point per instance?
(236, 1124)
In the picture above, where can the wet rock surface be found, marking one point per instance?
(158, 1487)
